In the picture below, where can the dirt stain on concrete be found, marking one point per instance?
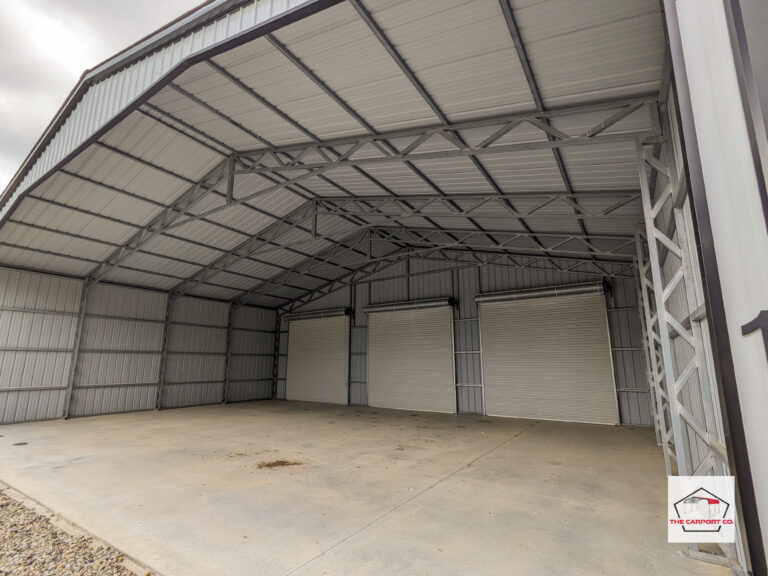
(278, 464)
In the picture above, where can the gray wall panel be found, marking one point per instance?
(120, 351)
(38, 319)
(196, 356)
(26, 406)
(192, 394)
(112, 399)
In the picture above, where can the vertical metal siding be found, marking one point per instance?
(252, 347)
(120, 351)
(38, 317)
(196, 355)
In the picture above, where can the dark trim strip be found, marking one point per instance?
(736, 443)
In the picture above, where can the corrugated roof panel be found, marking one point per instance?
(98, 199)
(242, 218)
(324, 186)
(339, 47)
(16, 256)
(234, 281)
(535, 223)
(21, 235)
(152, 263)
(285, 258)
(284, 292)
(109, 168)
(153, 142)
(461, 51)
(209, 234)
(336, 227)
(529, 171)
(592, 49)
(265, 301)
(455, 175)
(274, 77)
(206, 291)
(398, 178)
(253, 268)
(38, 213)
(603, 167)
(278, 203)
(176, 248)
(185, 110)
(354, 182)
(136, 278)
(225, 96)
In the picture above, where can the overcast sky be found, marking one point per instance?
(45, 45)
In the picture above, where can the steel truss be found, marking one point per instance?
(552, 243)
(679, 359)
(370, 249)
(441, 141)
(468, 205)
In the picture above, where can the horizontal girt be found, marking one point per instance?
(472, 204)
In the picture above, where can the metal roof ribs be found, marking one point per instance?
(367, 17)
(296, 61)
(525, 62)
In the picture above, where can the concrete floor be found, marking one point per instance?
(377, 492)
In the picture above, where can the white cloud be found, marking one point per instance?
(45, 46)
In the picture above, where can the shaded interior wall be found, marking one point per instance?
(418, 279)
(120, 357)
(38, 322)
(252, 352)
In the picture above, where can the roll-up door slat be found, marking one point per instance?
(410, 360)
(548, 359)
(318, 353)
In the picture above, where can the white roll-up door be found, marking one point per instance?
(410, 360)
(548, 359)
(318, 360)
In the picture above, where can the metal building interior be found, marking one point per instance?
(463, 207)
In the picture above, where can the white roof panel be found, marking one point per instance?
(461, 51)
(592, 50)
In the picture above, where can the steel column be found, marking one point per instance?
(232, 309)
(76, 349)
(164, 353)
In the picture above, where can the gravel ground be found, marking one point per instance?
(31, 545)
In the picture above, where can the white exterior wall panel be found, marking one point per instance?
(738, 226)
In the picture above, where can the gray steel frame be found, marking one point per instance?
(665, 254)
